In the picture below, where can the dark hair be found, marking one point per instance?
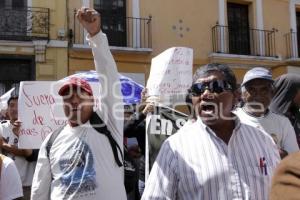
(129, 108)
(223, 68)
(286, 88)
(13, 97)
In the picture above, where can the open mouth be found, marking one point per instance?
(208, 111)
(208, 108)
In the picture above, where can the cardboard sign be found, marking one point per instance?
(41, 111)
(171, 72)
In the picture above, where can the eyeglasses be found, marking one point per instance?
(217, 86)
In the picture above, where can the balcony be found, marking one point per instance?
(24, 24)
(123, 32)
(246, 42)
(292, 45)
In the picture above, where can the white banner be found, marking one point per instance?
(171, 72)
(40, 109)
(4, 98)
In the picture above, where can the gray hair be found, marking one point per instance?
(223, 68)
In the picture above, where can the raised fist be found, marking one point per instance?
(90, 20)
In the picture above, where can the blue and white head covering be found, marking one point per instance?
(130, 89)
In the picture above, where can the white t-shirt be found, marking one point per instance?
(25, 168)
(277, 126)
(81, 164)
(10, 182)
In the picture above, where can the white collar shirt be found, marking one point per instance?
(196, 164)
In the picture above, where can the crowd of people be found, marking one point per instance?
(230, 148)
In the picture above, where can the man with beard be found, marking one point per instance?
(257, 92)
(216, 157)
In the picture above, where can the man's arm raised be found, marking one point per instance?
(110, 92)
(90, 20)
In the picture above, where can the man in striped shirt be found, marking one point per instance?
(216, 157)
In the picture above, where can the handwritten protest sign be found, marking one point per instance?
(41, 111)
(171, 72)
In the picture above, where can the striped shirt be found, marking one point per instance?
(196, 164)
(277, 126)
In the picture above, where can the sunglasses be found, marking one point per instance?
(217, 86)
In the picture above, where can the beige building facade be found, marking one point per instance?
(240, 33)
(33, 41)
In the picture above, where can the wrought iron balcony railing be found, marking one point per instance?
(122, 31)
(292, 44)
(23, 24)
(254, 42)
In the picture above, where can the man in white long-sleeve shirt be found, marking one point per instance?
(81, 163)
(217, 157)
